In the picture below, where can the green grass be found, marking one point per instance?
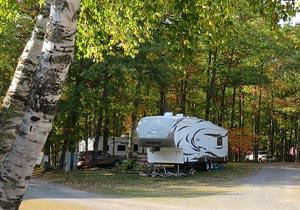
(113, 183)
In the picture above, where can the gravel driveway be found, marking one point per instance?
(275, 187)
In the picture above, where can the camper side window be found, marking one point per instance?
(121, 148)
(135, 148)
(219, 141)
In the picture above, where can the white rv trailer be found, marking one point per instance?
(182, 140)
(117, 146)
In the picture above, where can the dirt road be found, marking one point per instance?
(275, 187)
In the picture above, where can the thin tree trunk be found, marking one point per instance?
(106, 111)
(98, 132)
(115, 125)
(241, 109)
(132, 131)
(136, 105)
(208, 94)
(105, 132)
(258, 116)
(233, 107)
(271, 125)
(14, 102)
(222, 106)
(296, 140)
(86, 132)
(62, 158)
(103, 112)
(162, 101)
(211, 82)
(283, 144)
(56, 57)
(184, 84)
(47, 152)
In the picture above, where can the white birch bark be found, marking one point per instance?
(14, 102)
(56, 57)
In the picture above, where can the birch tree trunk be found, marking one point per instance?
(56, 57)
(14, 102)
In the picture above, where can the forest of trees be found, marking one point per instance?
(248, 83)
(236, 70)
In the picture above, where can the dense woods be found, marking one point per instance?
(247, 83)
(229, 63)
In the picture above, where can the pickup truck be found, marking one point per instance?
(262, 156)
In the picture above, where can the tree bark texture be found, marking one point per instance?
(14, 102)
(56, 57)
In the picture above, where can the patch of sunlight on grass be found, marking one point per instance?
(41, 204)
(109, 174)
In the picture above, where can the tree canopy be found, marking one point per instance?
(226, 61)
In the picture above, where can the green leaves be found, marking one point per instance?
(113, 26)
(15, 11)
(274, 11)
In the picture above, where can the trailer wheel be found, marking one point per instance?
(192, 171)
(154, 174)
(207, 166)
(211, 165)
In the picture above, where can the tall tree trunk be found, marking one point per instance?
(222, 106)
(258, 116)
(115, 127)
(103, 113)
(296, 151)
(47, 152)
(56, 57)
(62, 158)
(241, 108)
(283, 144)
(184, 84)
(208, 95)
(14, 102)
(98, 132)
(132, 131)
(105, 132)
(233, 107)
(162, 101)
(136, 105)
(211, 73)
(86, 132)
(107, 77)
(271, 125)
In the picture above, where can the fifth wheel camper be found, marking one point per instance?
(182, 140)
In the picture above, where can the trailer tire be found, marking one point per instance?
(207, 166)
(211, 165)
(192, 171)
(154, 174)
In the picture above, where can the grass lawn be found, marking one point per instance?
(115, 183)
